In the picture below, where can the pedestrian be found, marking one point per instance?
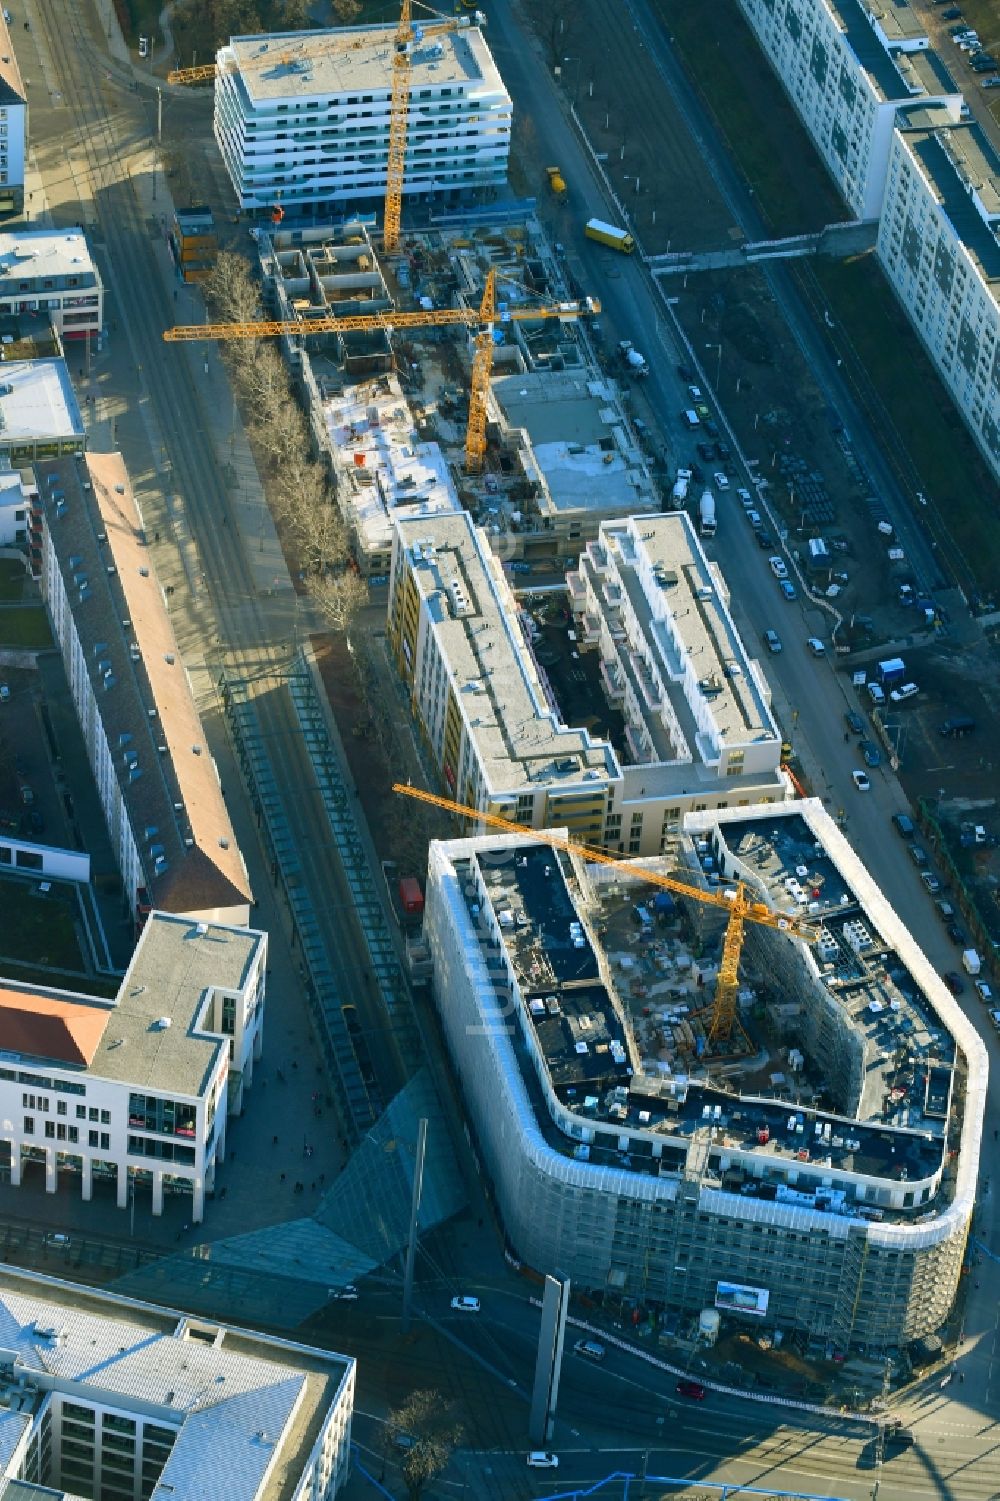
(322, 1177)
(274, 1141)
(847, 736)
(282, 1177)
(313, 1184)
(222, 1193)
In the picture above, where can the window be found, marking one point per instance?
(92, 1138)
(50, 1129)
(81, 1112)
(61, 1107)
(29, 1125)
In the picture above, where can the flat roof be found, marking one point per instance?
(358, 59)
(687, 627)
(38, 403)
(963, 171)
(384, 469)
(580, 439)
(246, 1408)
(570, 984)
(151, 1035)
(520, 735)
(45, 252)
(191, 858)
(852, 17)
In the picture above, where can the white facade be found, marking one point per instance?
(136, 1090)
(302, 119)
(51, 271)
(938, 247)
(13, 125)
(15, 509)
(847, 68)
(102, 1395)
(698, 730)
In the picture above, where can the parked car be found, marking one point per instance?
(860, 780)
(954, 982)
(951, 14)
(755, 519)
(58, 1239)
(788, 589)
(901, 694)
(957, 935)
(990, 83)
(918, 855)
(904, 825)
(745, 499)
(693, 1390)
(778, 567)
(772, 641)
(871, 753)
(764, 540)
(877, 694)
(541, 1459)
(931, 881)
(465, 1303)
(854, 722)
(348, 1294)
(4, 692)
(985, 992)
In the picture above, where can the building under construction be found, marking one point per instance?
(818, 1178)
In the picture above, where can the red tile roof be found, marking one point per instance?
(40, 1027)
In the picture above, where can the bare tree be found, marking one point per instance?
(428, 1423)
(340, 596)
(231, 289)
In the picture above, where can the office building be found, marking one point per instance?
(51, 271)
(302, 119)
(937, 245)
(135, 1092)
(13, 124)
(106, 1396)
(820, 1177)
(155, 776)
(847, 67)
(686, 711)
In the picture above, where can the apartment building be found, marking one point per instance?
(567, 432)
(382, 469)
(831, 1193)
(102, 1395)
(847, 67)
(687, 710)
(135, 1092)
(17, 497)
(51, 271)
(302, 119)
(938, 247)
(157, 781)
(13, 124)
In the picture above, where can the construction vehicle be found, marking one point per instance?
(486, 316)
(736, 901)
(607, 234)
(557, 183)
(706, 514)
(407, 35)
(634, 362)
(681, 483)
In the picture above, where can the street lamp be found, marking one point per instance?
(718, 371)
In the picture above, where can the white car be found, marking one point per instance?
(541, 1459)
(755, 519)
(816, 646)
(465, 1304)
(860, 780)
(778, 567)
(995, 1019)
(901, 694)
(348, 1294)
(877, 694)
(721, 480)
(985, 992)
(746, 500)
(694, 392)
(4, 693)
(57, 1238)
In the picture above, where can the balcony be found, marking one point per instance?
(613, 681)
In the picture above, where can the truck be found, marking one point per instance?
(634, 362)
(607, 234)
(892, 670)
(971, 962)
(706, 514)
(557, 183)
(681, 484)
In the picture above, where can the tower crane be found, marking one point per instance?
(407, 32)
(736, 901)
(485, 316)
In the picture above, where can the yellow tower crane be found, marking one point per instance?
(485, 315)
(735, 900)
(407, 32)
